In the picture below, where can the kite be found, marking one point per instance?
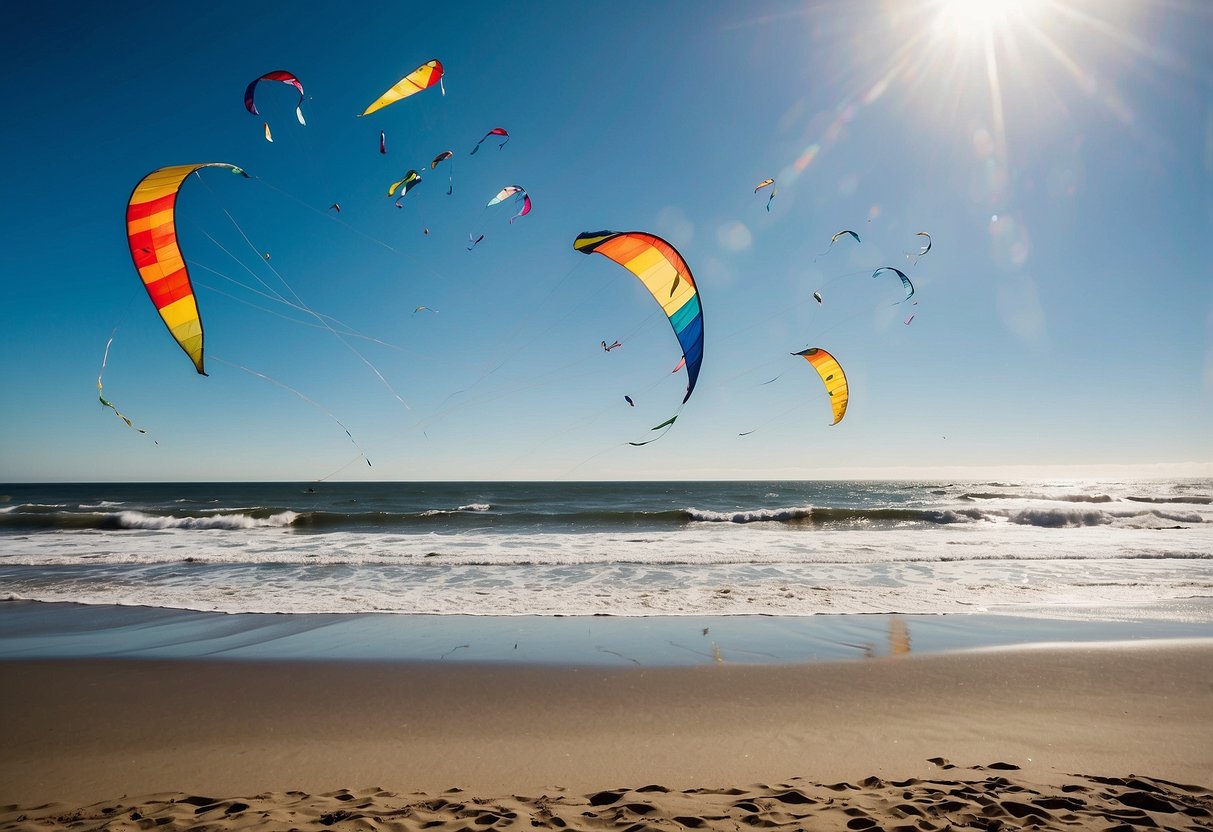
(277, 75)
(409, 182)
(611, 347)
(520, 196)
(831, 373)
(666, 275)
(441, 157)
(496, 131)
(905, 281)
(817, 297)
(928, 245)
(474, 242)
(421, 78)
(269, 137)
(764, 183)
(667, 423)
(627, 399)
(151, 232)
(426, 308)
(835, 237)
(907, 320)
(382, 142)
(335, 207)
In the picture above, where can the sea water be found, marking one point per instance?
(1109, 550)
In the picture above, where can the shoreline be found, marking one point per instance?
(58, 630)
(83, 731)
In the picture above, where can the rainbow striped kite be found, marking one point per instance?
(666, 275)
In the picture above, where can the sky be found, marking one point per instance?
(1059, 153)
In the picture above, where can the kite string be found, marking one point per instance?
(519, 348)
(305, 398)
(331, 217)
(772, 420)
(320, 318)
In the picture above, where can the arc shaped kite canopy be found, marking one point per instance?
(151, 233)
(666, 275)
(905, 281)
(832, 376)
(421, 78)
(277, 75)
(928, 245)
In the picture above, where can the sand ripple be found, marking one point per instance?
(988, 798)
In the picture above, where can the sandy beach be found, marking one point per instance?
(1085, 736)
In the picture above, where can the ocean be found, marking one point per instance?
(1103, 550)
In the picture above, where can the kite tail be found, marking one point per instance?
(101, 395)
(667, 424)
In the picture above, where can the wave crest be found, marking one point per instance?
(751, 516)
(139, 520)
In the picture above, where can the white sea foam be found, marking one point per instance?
(139, 520)
(912, 549)
(751, 516)
(473, 507)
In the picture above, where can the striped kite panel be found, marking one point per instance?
(151, 230)
(667, 277)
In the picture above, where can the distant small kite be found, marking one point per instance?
(277, 75)
(905, 281)
(382, 142)
(628, 399)
(763, 184)
(410, 181)
(836, 236)
(496, 131)
(474, 242)
(421, 78)
(441, 157)
(520, 198)
(611, 347)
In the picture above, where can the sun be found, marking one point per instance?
(975, 20)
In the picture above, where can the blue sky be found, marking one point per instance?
(1060, 153)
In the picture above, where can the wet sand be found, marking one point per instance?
(1064, 735)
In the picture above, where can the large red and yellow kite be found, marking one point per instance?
(151, 232)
